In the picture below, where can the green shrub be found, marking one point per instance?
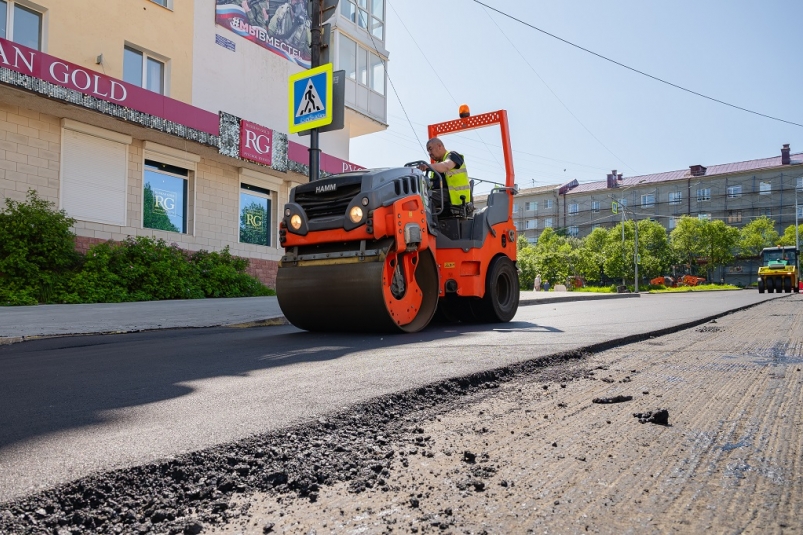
(37, 251)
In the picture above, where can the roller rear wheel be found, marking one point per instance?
(501, 299)
(761, 286)
(787, 284)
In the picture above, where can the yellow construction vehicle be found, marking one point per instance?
(779, 271)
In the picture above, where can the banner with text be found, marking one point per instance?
(281, 26)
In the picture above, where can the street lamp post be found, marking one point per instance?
(635, 253)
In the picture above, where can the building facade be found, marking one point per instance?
(173, 125)
(735, 193)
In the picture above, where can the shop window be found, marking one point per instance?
(165, 197)
(255, 215)
(20, 24)
(143, 70)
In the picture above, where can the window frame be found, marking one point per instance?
(734, 192)
(574, 208)
(547, 204)
(762, 190)
(548, 222)
(187, 204)
(645, 202)
(168, 4)
(595, 207)
(703, 194)
(673, 223)
(355, 10)
(734, 216)
(534, 225)
(573, 231)
(799, 186)
(262, 192)
(31, 8)
(146, 56)
(704, 217)
(675, 197)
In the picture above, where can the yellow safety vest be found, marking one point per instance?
(457, 182)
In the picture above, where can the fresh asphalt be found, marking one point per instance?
(71, 406)
(18, 324)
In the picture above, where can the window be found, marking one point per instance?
(734, 216)
(21, 24)
(765, 212)
(800, 212)
(595, 206)
(533, 240)
(704, 195)
(142, 70)
(164, 3)
(165, 197)
(574, 231)
(548, 203)
(516, 224)
(515, 208)
(734, 192)
(361, 65)
(675, 197)
(765, 188)
(648, 200)
(673, 222)
(595, 225)
(531, 206)
(704, 217)
(531, 224)
(800, 184)
(93, 173)
(548, 222)
(255, 215)
(367, 14)
(573, 208)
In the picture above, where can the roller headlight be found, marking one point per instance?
(295, 222)
(355, 214)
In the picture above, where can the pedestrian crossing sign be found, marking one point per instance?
(311, 98)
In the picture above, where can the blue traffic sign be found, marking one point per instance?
(310, 99)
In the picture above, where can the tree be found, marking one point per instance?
(154, 216)
(653, 249)
(720, 242)
(550, 257)
(591, 255)
(686, 240)
(525, 262)
(788, 237)
(757, 235)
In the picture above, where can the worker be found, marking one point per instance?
(452, 166)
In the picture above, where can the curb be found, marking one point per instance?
(570, 298)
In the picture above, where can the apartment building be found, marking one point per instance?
(168, 118)
(735, 193)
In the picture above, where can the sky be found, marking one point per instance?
(576, 116)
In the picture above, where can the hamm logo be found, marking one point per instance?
(325, 188)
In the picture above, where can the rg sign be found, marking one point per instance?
(165, 203)
(253, 220)
(256, 142)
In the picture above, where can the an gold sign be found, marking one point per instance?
(448, 265)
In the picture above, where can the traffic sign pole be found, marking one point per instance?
(315, 49)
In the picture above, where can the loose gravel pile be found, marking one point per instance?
(191, 492)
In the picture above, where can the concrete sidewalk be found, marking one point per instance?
(18, 324)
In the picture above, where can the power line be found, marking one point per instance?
(437, 75)
(637, 71)
(555, 95)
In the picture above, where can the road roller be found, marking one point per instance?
(374, 251)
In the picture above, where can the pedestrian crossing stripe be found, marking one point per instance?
(310, 99)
